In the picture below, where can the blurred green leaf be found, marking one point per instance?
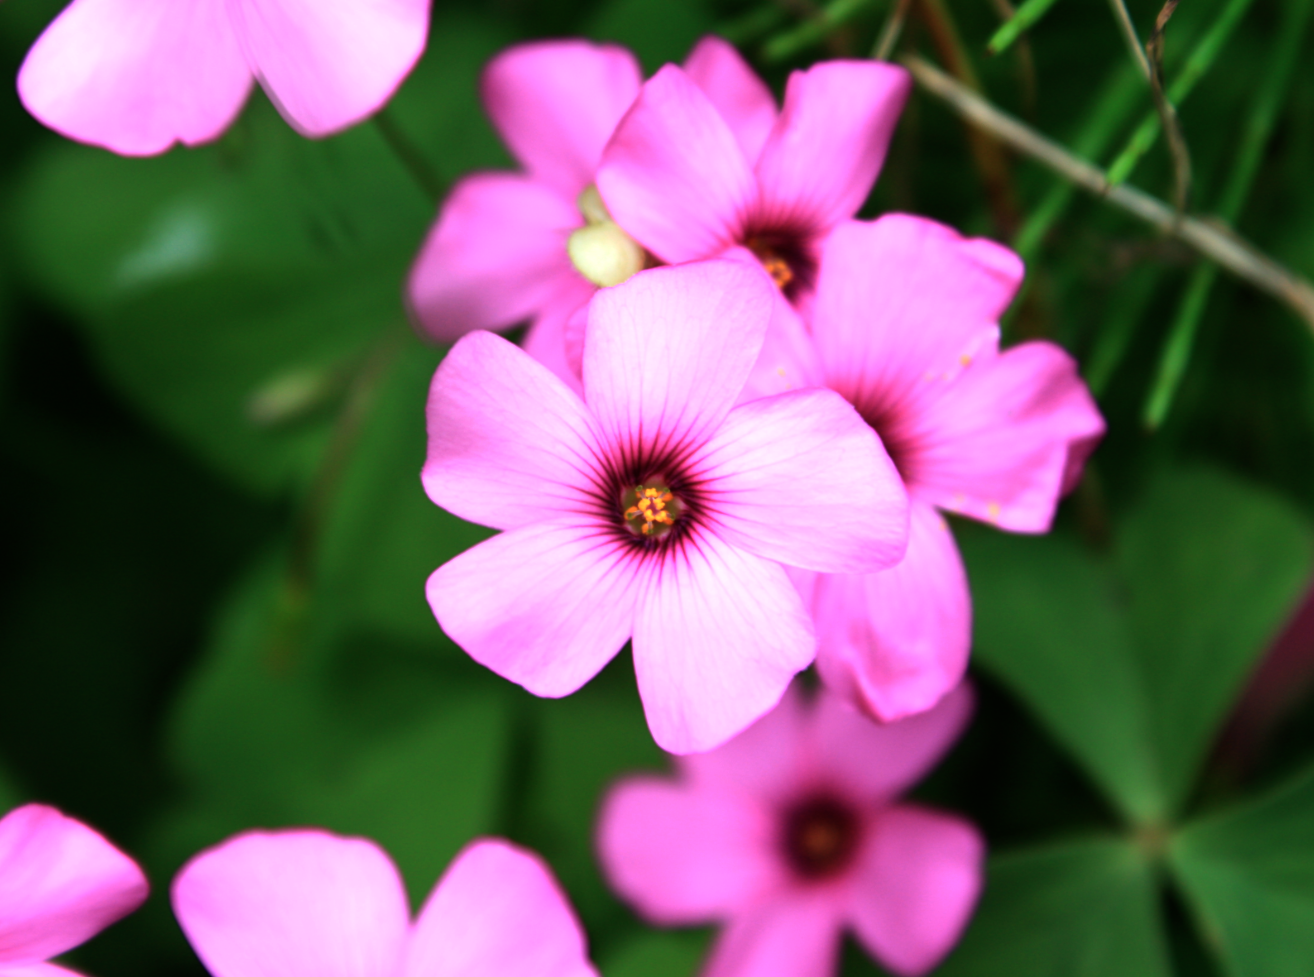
(357, 735)
(1132, 665)
(382, 537)
(1248, 872)
(657, 954)
(1214, 566)
(10, 795)
(580, 745)
(1085, 908)
(1049, 621)
(214, 281)
(657, 31)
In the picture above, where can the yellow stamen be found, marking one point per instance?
(649, 513)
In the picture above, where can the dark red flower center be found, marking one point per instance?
(898, 441)
(787, 258)
(820, 837)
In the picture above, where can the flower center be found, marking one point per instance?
(820, 837)
(650, 510)
(787, 258)
(601, 251)
(775, 264)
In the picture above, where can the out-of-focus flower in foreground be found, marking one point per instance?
(653, 507)
(790, 834)
(60, 884)
(306, 903)
(905, 327)
(535, 245)
(137, 76)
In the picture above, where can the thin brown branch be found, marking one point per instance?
(1172, 126)
(1212, 239)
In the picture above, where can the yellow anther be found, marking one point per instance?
(649, 512)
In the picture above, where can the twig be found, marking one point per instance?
(1172, 126)
(1128, 29)
(891, 31)
(1214, 241)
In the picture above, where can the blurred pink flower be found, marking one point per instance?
(651, 508)
(790, 834)
(691, 176)
(136, 76)
(60, 884)
(497, 254)
(306, 903)
(905, 327)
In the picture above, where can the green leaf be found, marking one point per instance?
(1049, 622)
(1214, 567)
(581, 744)
(1248, 873)
(658, 954)
(1084, 908)
(657, 31)
(356, 733)
(1132, 665)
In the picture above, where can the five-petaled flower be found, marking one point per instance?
(137, 76)
(499, 252)
(718, 629)
(60, 884)
(306, 903)
(905, 327)
(790, 833)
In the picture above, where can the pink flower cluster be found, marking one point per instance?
(727, 440)
(747, 406)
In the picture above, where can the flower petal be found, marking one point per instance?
(509, 444)
(823, 155)
(673, 174)
(495, 256)
(742, 98)
(497, 910)
(686, 854)
(667, 353)
(903, 303)
(553, 339)
(875, 762)
(800, 478)
(798, 935)
(60, 884)
(293, 904)
(327, 64)
(556, 103)
(136, 76)
(918, 883)
(766, 761)
(718, 636)
(36, 970)
(789, 359)
(895, 642)
(1006, 439)
(545, 606)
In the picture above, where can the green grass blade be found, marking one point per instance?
(1026, 15)
(1259, 126)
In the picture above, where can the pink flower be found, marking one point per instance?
(905, 328)
(306, 903)
(651, 508)
(136, 76)
(60, 884)
(789, 834)
(690, 176)
(497, 254)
